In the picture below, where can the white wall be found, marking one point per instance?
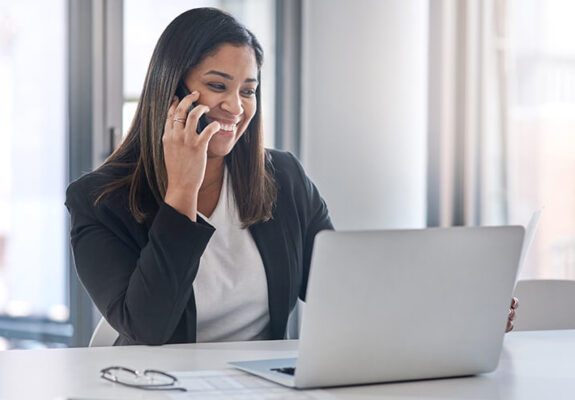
(364, 107)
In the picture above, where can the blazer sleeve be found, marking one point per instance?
(141, 291)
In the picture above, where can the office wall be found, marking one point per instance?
(364, 103)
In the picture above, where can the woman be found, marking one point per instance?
(183, 237)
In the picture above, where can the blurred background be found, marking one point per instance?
(406, 114)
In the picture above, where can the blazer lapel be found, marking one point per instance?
(269, 238)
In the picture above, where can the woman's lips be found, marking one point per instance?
(226, 126)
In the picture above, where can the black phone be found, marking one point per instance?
(182, 91)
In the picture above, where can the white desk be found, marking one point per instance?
(534, 365)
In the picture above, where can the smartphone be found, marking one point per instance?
(182, 91)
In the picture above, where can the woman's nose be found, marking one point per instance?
(233, 104)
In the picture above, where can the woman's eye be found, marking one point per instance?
(250, 92)
(217, 86)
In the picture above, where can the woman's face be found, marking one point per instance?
(227, 82)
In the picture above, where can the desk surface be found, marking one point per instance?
(533, 365)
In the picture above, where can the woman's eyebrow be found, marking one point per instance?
(228, 76)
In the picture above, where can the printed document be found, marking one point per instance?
(234, 385)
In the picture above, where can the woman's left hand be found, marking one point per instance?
(511, 316)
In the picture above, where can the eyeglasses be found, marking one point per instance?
(149, 379)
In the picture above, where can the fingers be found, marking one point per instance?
(181, 113)
(512, 314)
(514, 303)
(194, 116)
(509, 326)
(186, 116)
(183, 119)
(171, 113)
(210, 130)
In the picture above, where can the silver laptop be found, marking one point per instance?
(399, 305)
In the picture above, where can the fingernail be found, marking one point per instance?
(194, 92)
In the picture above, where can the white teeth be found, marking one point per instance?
(228, 128)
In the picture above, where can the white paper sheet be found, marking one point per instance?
(235, 385)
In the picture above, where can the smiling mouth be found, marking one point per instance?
(227, 127)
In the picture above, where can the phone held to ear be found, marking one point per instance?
(182, 91)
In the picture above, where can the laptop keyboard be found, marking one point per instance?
(287, 370)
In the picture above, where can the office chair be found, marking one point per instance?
(545, 304)
(104, 335)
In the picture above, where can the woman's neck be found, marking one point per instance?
(214, 175)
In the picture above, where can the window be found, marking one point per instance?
(502, 122)
(33, 237)
(541, 148)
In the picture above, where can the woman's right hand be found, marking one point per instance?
(185, 153)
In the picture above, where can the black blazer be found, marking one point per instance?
(140, 275)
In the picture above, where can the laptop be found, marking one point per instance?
(395, 305)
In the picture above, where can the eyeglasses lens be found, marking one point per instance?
(149, 378)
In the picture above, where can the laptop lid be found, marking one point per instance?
(406, 304)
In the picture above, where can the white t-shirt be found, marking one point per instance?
(230, 289)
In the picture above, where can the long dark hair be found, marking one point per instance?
(188, 39)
